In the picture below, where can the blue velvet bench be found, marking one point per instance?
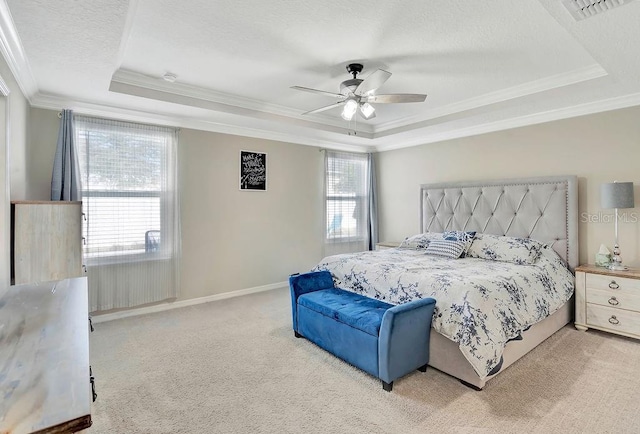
(384, 340)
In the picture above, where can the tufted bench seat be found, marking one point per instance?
(384, 340)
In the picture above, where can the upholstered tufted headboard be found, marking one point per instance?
(545, 209)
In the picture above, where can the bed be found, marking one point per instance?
(533, 209)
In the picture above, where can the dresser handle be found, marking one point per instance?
(613, 301)
(614, 285)
(613, 320)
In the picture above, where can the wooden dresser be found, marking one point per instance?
(608, 300)
(46, 241)
(44, 359)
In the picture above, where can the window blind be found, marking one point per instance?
(125, 176)
(346, 194)
(129, 197)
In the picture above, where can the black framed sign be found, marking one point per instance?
(253, 171)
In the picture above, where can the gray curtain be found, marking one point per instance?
(373, 203)
(65, 180)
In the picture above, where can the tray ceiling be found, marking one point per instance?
(484, 65)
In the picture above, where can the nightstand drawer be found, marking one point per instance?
(613, 319)
(613, 283)
(614, 298)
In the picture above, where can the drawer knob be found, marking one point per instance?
(613, 320)
(613, 301)
(614, 285)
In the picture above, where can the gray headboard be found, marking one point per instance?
(545, 209)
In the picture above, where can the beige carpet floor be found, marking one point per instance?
(234, 366)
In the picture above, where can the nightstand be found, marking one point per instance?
(387, 245)
(608, 300)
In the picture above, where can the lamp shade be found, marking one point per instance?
(616, 195)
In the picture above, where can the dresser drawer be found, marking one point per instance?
(613, 283)
(619, 320)
(614, 298)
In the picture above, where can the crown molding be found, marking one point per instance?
(522, 121)
(133, 83)
(548, 83)
(14, 55)
(55, 102)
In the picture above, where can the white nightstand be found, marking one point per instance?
(387, 245)
(608, 300)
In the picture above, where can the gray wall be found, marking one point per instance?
(597, 148)
(235, 240)
(231, 239)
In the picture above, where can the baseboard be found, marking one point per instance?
(99, 318)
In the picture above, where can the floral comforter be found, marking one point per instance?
(480, 304)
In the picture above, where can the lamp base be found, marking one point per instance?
(618, 267)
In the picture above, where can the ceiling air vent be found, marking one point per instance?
(581, 9)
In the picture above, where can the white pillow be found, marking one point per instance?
(523, 251)
(420, 241)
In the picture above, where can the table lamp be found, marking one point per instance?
(616, 195)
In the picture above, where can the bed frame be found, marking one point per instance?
(545, 209)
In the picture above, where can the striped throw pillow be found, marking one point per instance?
(446, 248)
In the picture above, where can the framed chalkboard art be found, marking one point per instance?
(253, 171)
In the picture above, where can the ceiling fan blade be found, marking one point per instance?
(397, 97)
(319, 92)
(321, 109)
(372, 82)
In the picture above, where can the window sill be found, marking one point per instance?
(344, 240)
(126, 259)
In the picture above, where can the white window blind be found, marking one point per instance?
(346, 187)
(126, 177)
(129, 197)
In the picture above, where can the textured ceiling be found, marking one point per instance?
(484, 65)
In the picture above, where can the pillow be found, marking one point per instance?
(420, 241)
(465, 237)
(523, 251)
(446, 248)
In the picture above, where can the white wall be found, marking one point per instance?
(231, 239)
(13, 171)
(597, 148)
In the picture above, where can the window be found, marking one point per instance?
(128, 189)
(347, 199)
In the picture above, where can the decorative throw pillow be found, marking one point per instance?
(446, 248)
(523, 251)
(420, 241)
(465, 237)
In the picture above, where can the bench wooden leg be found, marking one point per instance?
(423, 368)
(296, 334)
(387, 386)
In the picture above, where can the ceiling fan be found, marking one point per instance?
(356, 94)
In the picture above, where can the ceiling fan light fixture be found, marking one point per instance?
(349, 109)
(367, 110)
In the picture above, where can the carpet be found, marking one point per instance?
(234, 366)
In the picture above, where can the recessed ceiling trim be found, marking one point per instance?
(621, 102)
(544, 84)
(13, 52)
(130, 82)
(126, 32)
